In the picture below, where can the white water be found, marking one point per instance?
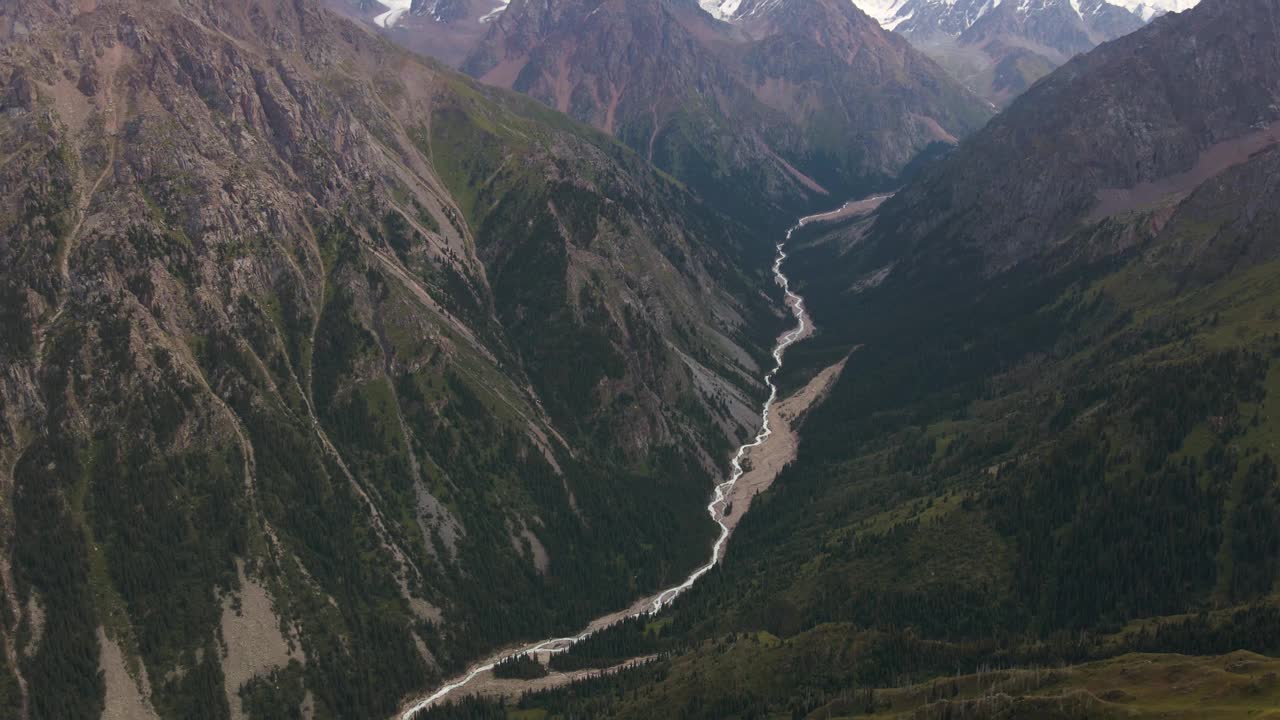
(715, 508)
(721, 495)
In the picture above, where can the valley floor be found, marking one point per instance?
(763, 463)
(754, 468)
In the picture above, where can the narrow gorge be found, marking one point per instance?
(724, 498)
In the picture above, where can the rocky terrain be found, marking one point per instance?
(765, 113)
(311, 340)
(1000, 48)
(443, 29)
(1178, 101)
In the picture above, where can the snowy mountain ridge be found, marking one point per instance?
(1000, 47)
(1149, 9)
(954, 16)
(441, 11)
(893, 13)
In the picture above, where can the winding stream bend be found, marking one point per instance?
(715, 508)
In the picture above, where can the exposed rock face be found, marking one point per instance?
(1153, 105)
(1000, 48)
(1064, 26)
(440, 10)
(790, 103)
(443, 29)
(275, 292)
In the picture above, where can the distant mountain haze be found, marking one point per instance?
(793, 104)
(1000, 47)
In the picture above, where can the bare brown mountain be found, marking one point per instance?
(1000, 48)
(762, 115)
(1128, 126)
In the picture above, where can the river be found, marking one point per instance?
(715, 508)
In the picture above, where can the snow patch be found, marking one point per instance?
(723, 9)
(494, 13)
(893, 13)
(395, 8)
(1150, 9)
(889, 13)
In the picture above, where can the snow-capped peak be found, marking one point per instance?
(732, 9)
(722, 9)
(889, 13)
(1148, 9)
(435, 9)
(494, 13)
(955, 15)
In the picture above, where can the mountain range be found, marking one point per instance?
(327, 369)
(1053, 442)
(996, 48)
(791, 105)
(1000, 48)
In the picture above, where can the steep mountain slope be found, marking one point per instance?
(1055, 437)
(764, 116)
(1086, 390)
(1120, 128)
(864, 93)
(325, 369)
(1001, 48)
